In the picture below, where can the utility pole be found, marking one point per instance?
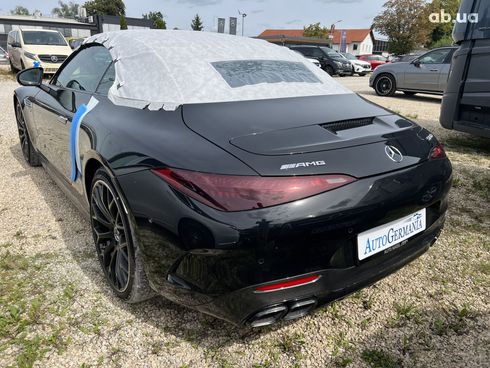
(243, 15)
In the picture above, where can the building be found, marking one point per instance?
(357, 41)
(68, 27)
(381, 44)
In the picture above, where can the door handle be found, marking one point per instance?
(62, 119)
(434, 70)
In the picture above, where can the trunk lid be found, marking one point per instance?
(342, 134)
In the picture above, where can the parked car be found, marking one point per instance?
(374, 60)
(466, 102)
(360, 67)
(331, 61)
(239, 179)
(4, 57)
(426, 74)
(406, 58)
(75, 42)
(314, 61)
(26, 46)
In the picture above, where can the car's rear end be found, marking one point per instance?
(261, 188)
(341, 198)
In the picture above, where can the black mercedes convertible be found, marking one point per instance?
(231, 175)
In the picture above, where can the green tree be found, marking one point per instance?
(20, 10)
(196, 24)
(65, 10)
(157, 18)
(406, 23)
(442, 33)
(315, 30)
(105, 7)
(123, 23)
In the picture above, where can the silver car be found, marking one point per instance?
(427, 73)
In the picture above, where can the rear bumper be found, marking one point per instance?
(242, 306)
(213, 261)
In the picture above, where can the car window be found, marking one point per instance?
(305, 51)
(85, 70)
(435, 57)
(43, 38)
(107, 80)
(240, 73)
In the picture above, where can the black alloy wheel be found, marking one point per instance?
(116, 247)
(385, 85)
(329, 70)
(28, 151)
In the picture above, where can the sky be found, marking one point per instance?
(261, 14)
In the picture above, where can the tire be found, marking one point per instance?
(117, 249)
(329, 70)
(385, 85)
(28, 151)
(408, 93)
(13, 69)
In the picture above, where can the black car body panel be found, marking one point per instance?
(213, 260)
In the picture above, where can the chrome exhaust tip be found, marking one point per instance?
(268, 316)
(300, 308)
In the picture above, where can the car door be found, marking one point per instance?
(424, 73)
(72, 86)
(446, 67)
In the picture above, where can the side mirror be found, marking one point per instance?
(15, 44)
(416, 63)
(30, 77)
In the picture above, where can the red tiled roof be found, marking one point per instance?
(353, 35)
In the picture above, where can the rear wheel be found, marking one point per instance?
(385, 85)
(28, 151)
(329, 70)
(117, 249)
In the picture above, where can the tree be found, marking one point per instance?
(20, 10)
(196, 24)
(157, 18)
(65, 10)
(105, 7)
(315, 30)
(442, 33)
(406, 23)
(123, 23)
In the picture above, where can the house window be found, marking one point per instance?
(355, 47)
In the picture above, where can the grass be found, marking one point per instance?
(28, 322)
(380, 359)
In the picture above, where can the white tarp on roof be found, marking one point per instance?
(165, 69)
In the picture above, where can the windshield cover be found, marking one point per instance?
(43, 38)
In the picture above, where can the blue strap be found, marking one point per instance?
(73, 141)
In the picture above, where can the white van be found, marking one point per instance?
(25, 46)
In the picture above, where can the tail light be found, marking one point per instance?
(437, 152)
(238, 193)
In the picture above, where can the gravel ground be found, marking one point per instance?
(56, 311)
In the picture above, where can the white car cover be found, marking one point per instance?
(160, 69)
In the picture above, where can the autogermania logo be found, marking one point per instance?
(444, 17)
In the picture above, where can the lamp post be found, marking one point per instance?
(243, 20)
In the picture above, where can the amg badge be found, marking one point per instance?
(302, 164)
